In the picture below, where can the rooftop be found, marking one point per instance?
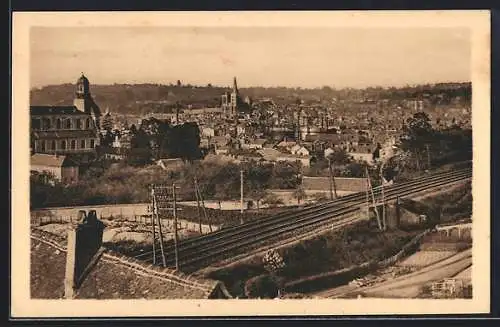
(114, 276)
(40, 159)
(55, 110)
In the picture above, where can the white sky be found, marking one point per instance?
(258, 56)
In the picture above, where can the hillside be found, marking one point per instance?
(143, 98)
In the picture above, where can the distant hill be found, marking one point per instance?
(142, 98)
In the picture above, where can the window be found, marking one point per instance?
(79, 123)
(46, 123)
(73, 144)
(35, 123)
(82, 144)
(53, 145)
(42, 145)
(68, 123)
(63, 145)
(92, 144)
(87, 123)
(58, 123)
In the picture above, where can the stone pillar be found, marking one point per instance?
(84, 242)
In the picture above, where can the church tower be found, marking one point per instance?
(83, 99)
(234, 99)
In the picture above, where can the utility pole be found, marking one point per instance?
(333, 187)
(384, 223)
(428, 156)
(176, 239)
(197, 202)
(241, 192)
(153, 209)
(373, 199)
(331, 177)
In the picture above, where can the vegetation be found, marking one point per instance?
(424, 148)
(355, 244)
(263, 286)
(143, 98)
(106, 182)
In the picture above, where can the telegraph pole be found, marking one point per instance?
(428, 157)
(176, 239)
(241, 192)
(331, 177)
(384, 223)
(153, 213)
(333, 187)
(197, 202)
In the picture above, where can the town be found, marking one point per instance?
(235, 157)
(296, 135)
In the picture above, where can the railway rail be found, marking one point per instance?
(199, 252)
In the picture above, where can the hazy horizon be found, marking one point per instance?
(257, 56)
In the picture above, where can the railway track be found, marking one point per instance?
(199, 252)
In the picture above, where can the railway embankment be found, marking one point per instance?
(334, 258)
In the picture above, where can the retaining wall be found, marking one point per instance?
(123, 212)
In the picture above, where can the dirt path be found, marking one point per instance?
(409, 285)
(406, 286)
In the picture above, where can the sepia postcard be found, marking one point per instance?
(250, 163)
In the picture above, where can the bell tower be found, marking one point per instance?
(83, 100)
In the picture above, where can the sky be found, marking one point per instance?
(257, 56)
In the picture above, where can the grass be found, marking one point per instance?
(332, 251)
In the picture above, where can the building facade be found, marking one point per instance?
(66, 129)
(63, 169)
(231, 102)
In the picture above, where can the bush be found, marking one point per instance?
(262, 286)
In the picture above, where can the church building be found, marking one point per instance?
(232, 102)
(67, 129)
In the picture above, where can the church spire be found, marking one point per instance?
(235, 86)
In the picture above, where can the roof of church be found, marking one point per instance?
(55, 110)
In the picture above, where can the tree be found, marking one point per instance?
(418, 135)
(299, 193)
(258, 194)
(179, 84)
(339, 157)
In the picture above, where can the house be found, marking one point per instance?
(207, 132)
(304, 161)
(362, 157)
(49, 264)
(295, 148)
(302, 151)
(222, 150)
(220, 141)
(285, 144)
(63, 168)
(123, 141)
(240, 129)
(257, 144)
